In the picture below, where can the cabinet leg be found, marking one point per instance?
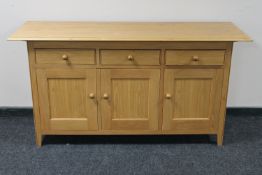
(220, 138)
(39, 139)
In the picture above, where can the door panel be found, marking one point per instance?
(132, 98)
(66, 99)
(192, 99)
(132, 101)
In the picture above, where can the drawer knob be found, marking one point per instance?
(105, 96)
(65, 57)
(130, 57)
(195, 58)
(91, 95)
(168, 96)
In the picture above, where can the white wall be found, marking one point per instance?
(246, 73)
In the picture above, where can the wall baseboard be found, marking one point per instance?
(16, 111)
(244, 111)
(27, 111)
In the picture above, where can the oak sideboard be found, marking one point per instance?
(129, 78)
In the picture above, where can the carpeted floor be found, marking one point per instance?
(240, 155)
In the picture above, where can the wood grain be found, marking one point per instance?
(136, 103)
(128, 31)
(203, 57)
(35, 98)
(222, 111)
(64, 99)
(133, 99)
(192, 99)
(74, 56)
(137, 57)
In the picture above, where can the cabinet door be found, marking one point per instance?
(130, 99)
(67, 99)
(192, 100)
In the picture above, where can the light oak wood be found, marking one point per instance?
(129, 31)
(65, 56)
(130, 99)
(192, 99)
(140, 128)
(222, 112)
(36, 109)
(64, 99)
(195, 57)
(130, 57)
(152, 45)
(129, 78)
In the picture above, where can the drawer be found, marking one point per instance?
(195, 57)
(130, 57)
(65, 56)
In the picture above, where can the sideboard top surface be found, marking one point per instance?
(128, 31)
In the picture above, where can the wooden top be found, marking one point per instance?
(129, 31)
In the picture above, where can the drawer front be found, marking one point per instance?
(65, 56)
(130, 57)
(195, 57)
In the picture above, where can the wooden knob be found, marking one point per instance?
(130, 57)
(105, 96)
(65, 57)
(91, 95)
(195, 58)
(168, 96)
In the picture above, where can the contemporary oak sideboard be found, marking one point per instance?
(129, 78)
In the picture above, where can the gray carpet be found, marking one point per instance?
(240, 155)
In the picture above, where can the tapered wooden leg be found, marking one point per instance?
(37, 122)
(220, 138)
(220, 133)
(39, 139)
(222, 116)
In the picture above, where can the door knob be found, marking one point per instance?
(130, 57)
(91, 95)
(168, 96)
(65, 57)
(195, 58)
(105, 96)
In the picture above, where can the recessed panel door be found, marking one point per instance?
(192, 100)
(130, 99)
(68, 99)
